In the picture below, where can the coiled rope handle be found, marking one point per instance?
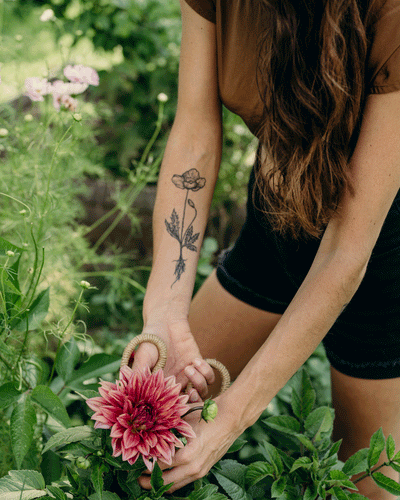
(162, 357)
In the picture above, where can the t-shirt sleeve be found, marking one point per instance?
(384, 60)
(206, 8)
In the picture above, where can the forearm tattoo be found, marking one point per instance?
(191, 181)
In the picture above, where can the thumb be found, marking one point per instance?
(145, 356)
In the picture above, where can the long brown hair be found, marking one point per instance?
(312, 68)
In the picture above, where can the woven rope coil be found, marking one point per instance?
(162, 357)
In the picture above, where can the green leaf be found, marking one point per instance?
(386, 483)
(22, 422)
(37, 312)
(356, 463)
(303, 395)
(71, 435)
(96, 365)
(377, 445)
(390, 447)
(306, 442)
(24, 485)
(341, 479)
(97, 478)
(338, 493)
(232, 476)
(271, 454)
(283, 423)
(278, 487)
(310, 493)
(66, 359)
(57, 492)
(357, 496)
(301, 463)
(51, 404)
(6, 245)
(156, 479)
(237, 445)
(87, 394)
(207, 492)
(8, 395)
(107, 495)
(319, 423)
(257, 471)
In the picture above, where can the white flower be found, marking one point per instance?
(28, 117)
(47, 15)
(85, 284)
(162, 97)
(36, 88)
(68, 88)
(3, 132)
(10, 253)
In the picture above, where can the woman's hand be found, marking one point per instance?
(212, 441)
(184, 360)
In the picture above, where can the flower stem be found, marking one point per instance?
(372, 471)
(196, 408)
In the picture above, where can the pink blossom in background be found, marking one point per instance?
(65, 101)
(68, 88)
(36, 88)
(142, 409)
(81, 74)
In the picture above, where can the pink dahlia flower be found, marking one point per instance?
(81, 74)
(142, 409)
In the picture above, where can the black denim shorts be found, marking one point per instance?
(265, 270)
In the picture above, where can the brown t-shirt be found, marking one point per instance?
(237, 35)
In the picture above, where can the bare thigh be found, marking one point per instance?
(361, 408)
(226, 328)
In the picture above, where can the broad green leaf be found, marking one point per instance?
(95, 366)
(237, 445)
(24, 485)
(107, 495)
(207, 492)
(6, 245)
(231, 475)
(357, 496)
(66, 359)
(319, 423)
(335, 448)
(377, 445)
(303, 395)
(278, 487)
(301, 463)
(156, 479)
(356, 463)
(8, 395)
(386, 483)
(390, 447)
(283, 423)
(22, 422)
(57, 492)
(87, 394)
(71, 435)
(51, 404)
(272, 455)
(37, 312)
(395, 466)
(257, 471)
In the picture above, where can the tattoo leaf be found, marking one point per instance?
(191, 204)
(190, 238)
(193, 248)
(173, 226)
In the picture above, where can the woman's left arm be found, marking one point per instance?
(331, 282)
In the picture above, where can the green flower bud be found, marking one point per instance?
(82, 463)
(99, 453)
(85, 284)
(210, 410)
(10, 253)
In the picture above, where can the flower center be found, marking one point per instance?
(143, 417)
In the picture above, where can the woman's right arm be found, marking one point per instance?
(185, 187)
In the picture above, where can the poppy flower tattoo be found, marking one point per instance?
(191, 181)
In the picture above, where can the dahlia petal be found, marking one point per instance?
(101, 425)
(143, 448)
(116, 446)
(130, 440)
(117, 431)
(133, 459)
(186, 430)
(95, 403)
(164, 450)
(148, 464)
(124, 420)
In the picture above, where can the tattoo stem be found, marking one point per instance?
(183, 218)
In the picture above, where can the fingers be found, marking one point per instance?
(146, 355)
(200, 374)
